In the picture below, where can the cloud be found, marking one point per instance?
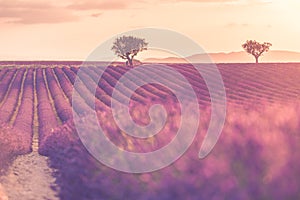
(227, 2)
(6, 4)
(207, 1)
(82, 5)
(96, 14)
(99, 5)
(51, 11)
(34, 12)
(237, 25)
(246, 25)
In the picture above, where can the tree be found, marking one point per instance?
(127, 47)
(255, 48)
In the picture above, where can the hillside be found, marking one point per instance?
(233, 57)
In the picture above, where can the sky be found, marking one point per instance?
(72, 29)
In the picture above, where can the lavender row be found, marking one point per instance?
(24, 118)
(16, 139)
(65, 83)
(83, 91)
(62, 105)
(5, 82)
(91, 85)
(196, 80)
(46, 116)
(67, 87)
(149, 90)
(9, 106)
(3, 72)
(108, 83)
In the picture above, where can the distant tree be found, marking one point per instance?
(255, 48)
(127, 47)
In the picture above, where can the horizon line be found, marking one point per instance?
(82, 60)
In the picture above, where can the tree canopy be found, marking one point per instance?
(127, 47)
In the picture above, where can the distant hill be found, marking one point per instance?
(233, 57)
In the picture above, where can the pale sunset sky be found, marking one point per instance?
(71, 29)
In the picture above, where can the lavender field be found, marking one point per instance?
(256, 157)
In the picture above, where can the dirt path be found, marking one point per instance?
(28, 178)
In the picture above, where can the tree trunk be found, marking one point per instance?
(256, 60)
(130, 61)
